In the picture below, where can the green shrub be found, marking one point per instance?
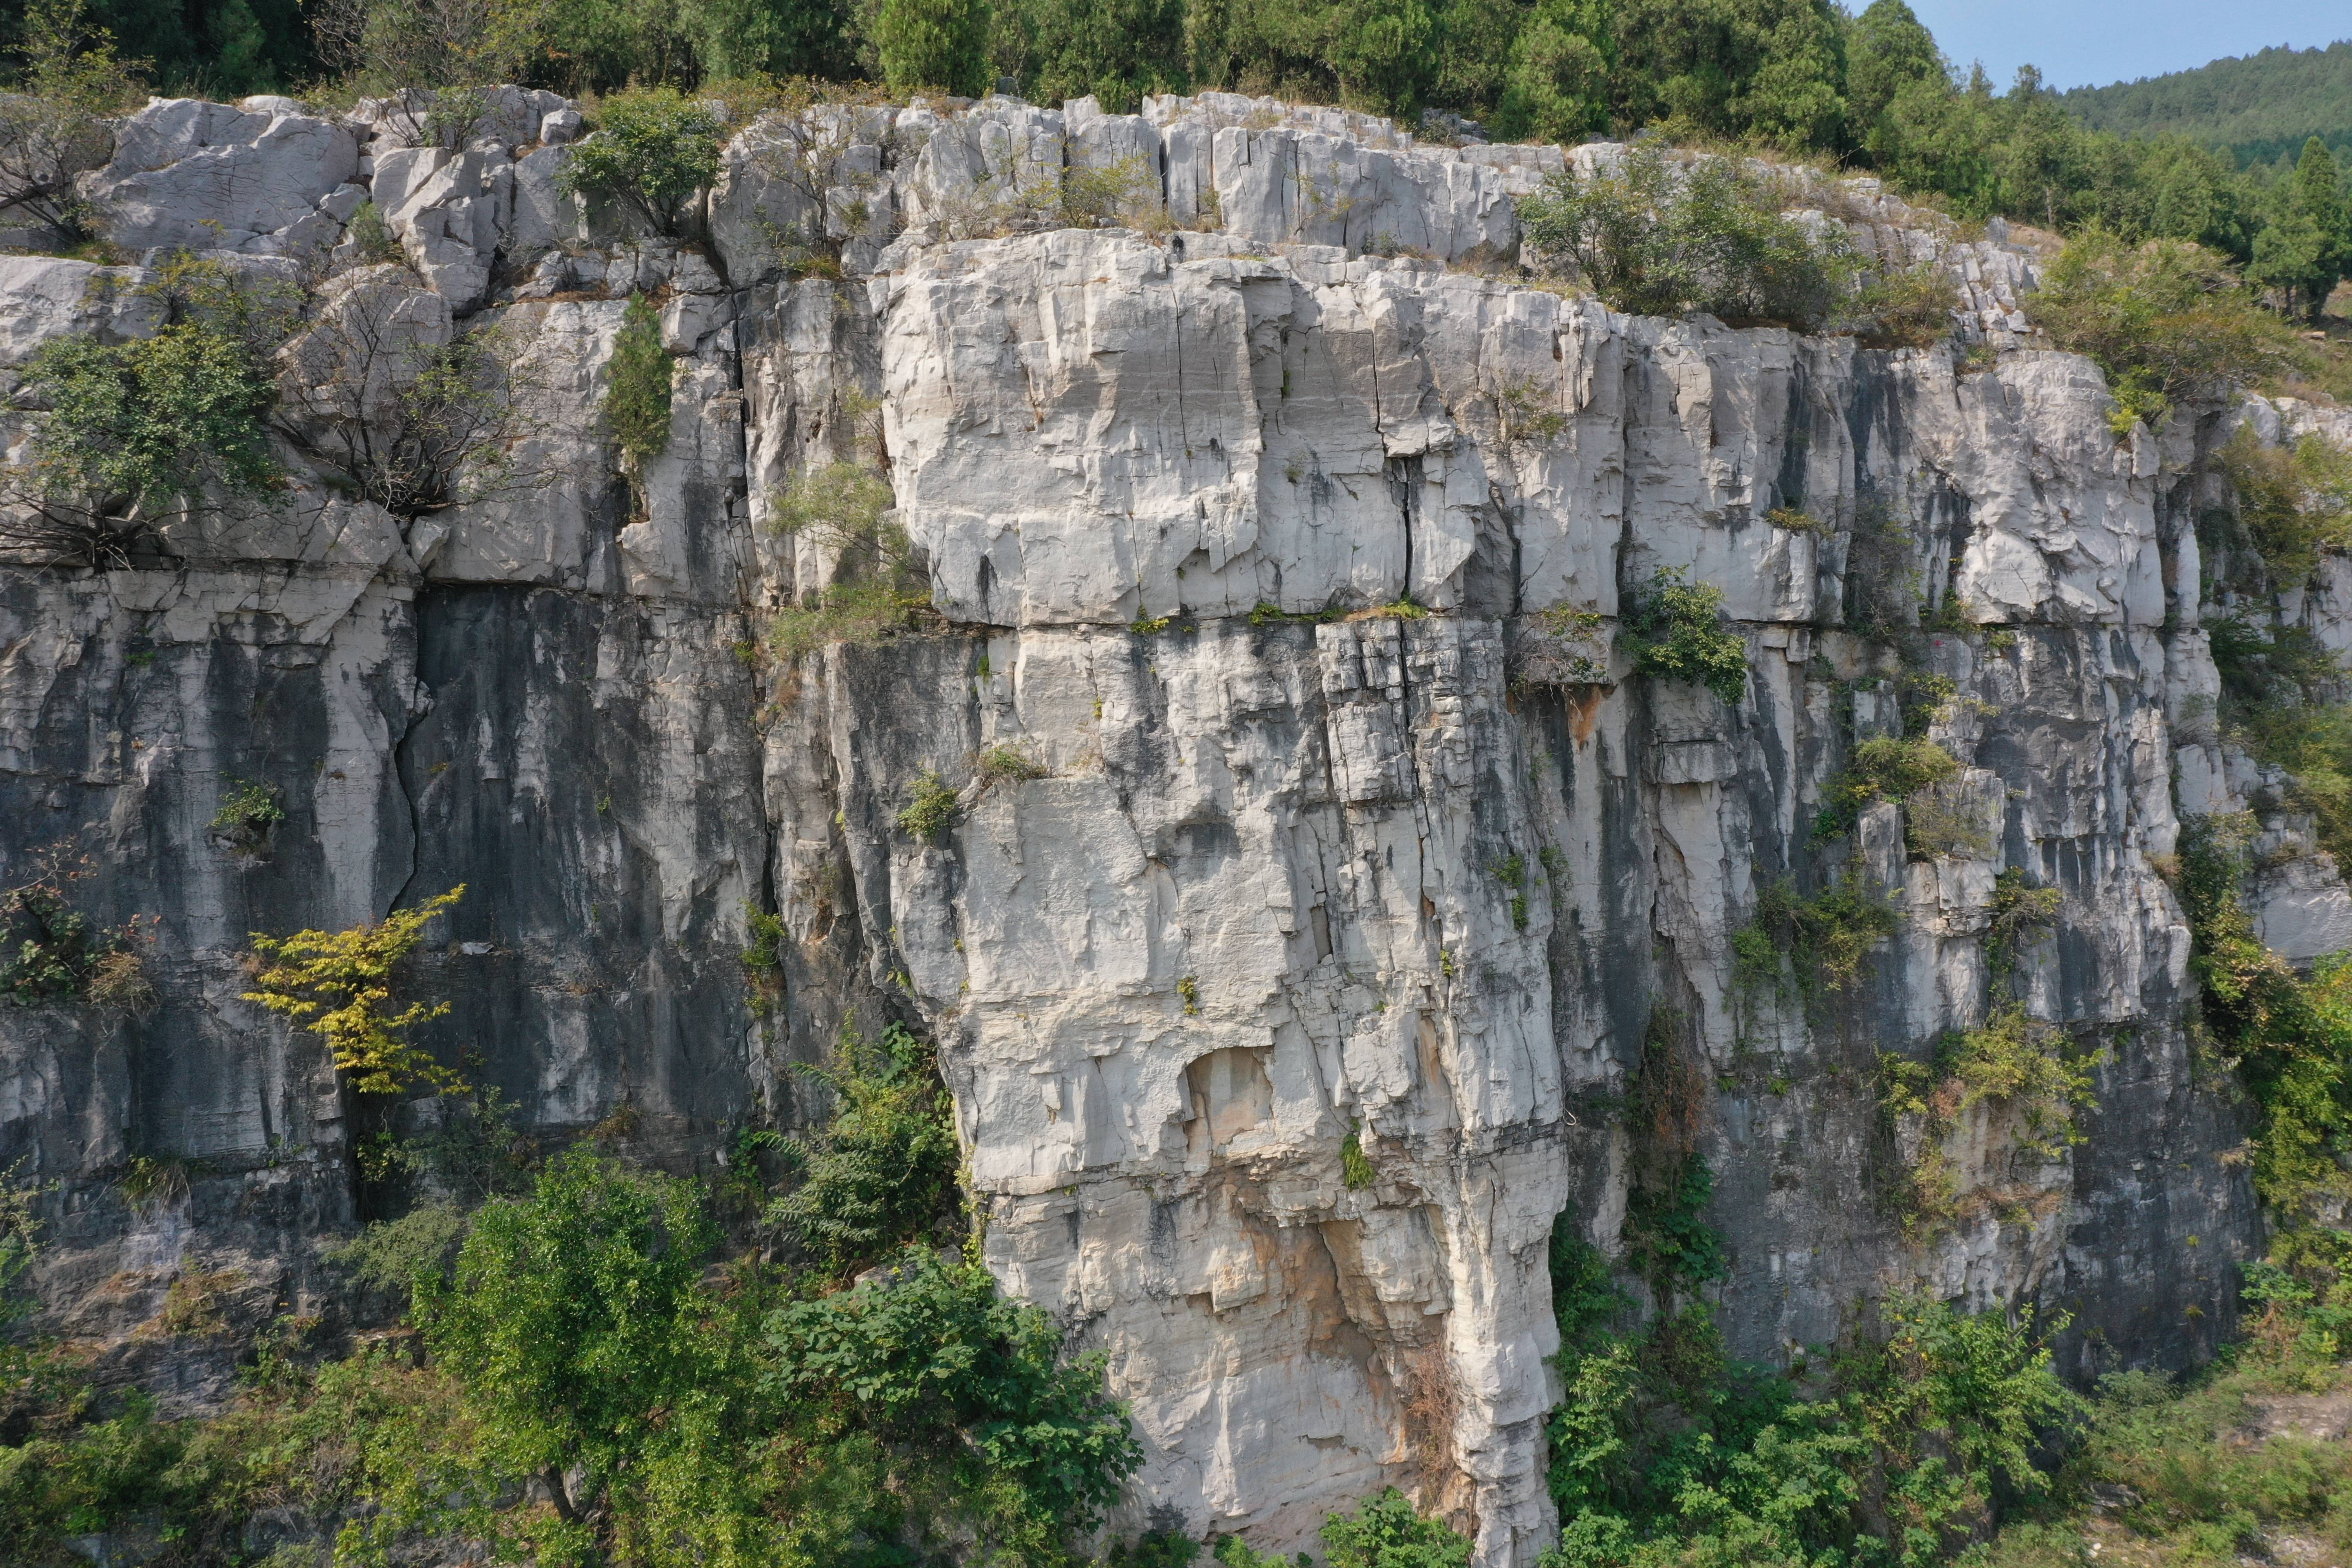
(1907, 310)
(655, 151)
(2291, 1036)
(245, 815)
(1006, 763)
(929, 1371)
(1655, 239)
(1665, 1453)
(1386, 1532)
(1935, 826)
(151, 1179)
(2166, 320)
(764, 960)
(637, 387)
(2294, 504)
(154, 420)
(50, 954)
(2018, 907)
(1883, 768)
(878, 583)
(371, 237)
(933, 807)
(567, 1328)
(1513, 874)
(1357, 1171)
(882, 1172)
(934, 46)
(577, 1344)
(1825, 938)
(393, 1255)
(1674, 630)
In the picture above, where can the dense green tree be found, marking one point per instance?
(1259, 46)
(934, 46)
(1476, 38)
(2306, 248)
(572, 1321)
(1117, 50)
(1559, 89)
(1385, 53)
(732, 40)
(656, 151)
(1888, 49)
(221, 47)
(1774, 69)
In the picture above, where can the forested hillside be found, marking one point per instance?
(2257, 108)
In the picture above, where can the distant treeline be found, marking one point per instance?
(2259, 109)
(1802, 76)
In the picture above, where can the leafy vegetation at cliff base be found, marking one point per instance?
(604, 1374)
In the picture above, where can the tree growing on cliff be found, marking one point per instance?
(1657, 238)
(882, 1172)
(654, 154)
(638, 386)
(339, 986)
(395, 409)
(137, 435)
(54, 126)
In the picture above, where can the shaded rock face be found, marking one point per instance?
(1435, 877)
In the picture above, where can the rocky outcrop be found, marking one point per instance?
(1296, 567)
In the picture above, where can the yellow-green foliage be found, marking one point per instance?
(1885, 768)
(1825, 939)
(637, 391)
(2016, 1065)
(933, 807)
(877, 585)
(2166, 320)
(247, 812)
(339, 986)
(1356, 1166)
(2294, 503)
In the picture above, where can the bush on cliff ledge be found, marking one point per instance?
(1656, 239)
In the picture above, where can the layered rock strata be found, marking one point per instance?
(1269, 511)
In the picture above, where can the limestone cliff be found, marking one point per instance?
(1430, 878)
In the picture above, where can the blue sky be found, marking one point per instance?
(2088, 42)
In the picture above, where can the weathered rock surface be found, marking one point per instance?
(1433, 876)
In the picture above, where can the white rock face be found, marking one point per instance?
(45, 297)
(210, 176)
(1302, 573)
